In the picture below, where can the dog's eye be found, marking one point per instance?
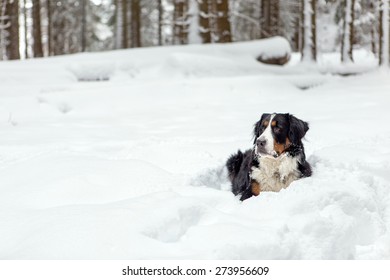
(277, 129)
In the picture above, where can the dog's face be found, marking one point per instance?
(274, 133)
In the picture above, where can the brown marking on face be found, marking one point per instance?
(281, 148)
(273, 124)
(265, 123)
(255, 187)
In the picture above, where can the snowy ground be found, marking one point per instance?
(132, 168)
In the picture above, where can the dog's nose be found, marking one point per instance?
(261, 142)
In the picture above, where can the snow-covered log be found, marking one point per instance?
(276, 50)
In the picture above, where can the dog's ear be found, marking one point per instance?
(298, 129)
(257, 127)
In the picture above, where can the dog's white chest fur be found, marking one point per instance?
(274, 174)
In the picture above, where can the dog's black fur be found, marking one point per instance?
(289, 130)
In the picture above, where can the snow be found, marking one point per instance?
(133, 167)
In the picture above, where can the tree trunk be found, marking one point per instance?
(384, 47)
(160, 21)
(180, 19)
(49, 23)
(270, 18)
(12, 27)
(204, 21)
(275, 18)
(83, 25)
(3, 39)
(314, 29)
(58, 30)
(125, 26)
(37, 33)
(348, 36)
(309, 45)
(25, 29)
(373, 32)
(265, 21)
(224, 34)
(118, 24)
(135, 24)
(296, 39)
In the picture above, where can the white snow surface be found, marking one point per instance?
(133, 167)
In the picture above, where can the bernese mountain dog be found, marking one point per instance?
(277, 158)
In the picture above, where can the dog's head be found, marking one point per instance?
(275, 133)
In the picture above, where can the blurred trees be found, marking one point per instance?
(49, 27)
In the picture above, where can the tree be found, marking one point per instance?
(373, 30)
(66, 25)
(193, 22)
(83, 25)
(384, 47)
(136, 24)
(204, 21)
(309, 31)
(125, 30)
(3, 26)
(180, 21)
(289, 26)
(9, 29)
(222, 32)
(348, 31)
(49, 24)
(270, 18)
(118, 24)
(246, 20)
(37, 34)
(160, 23)
(25, 29)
